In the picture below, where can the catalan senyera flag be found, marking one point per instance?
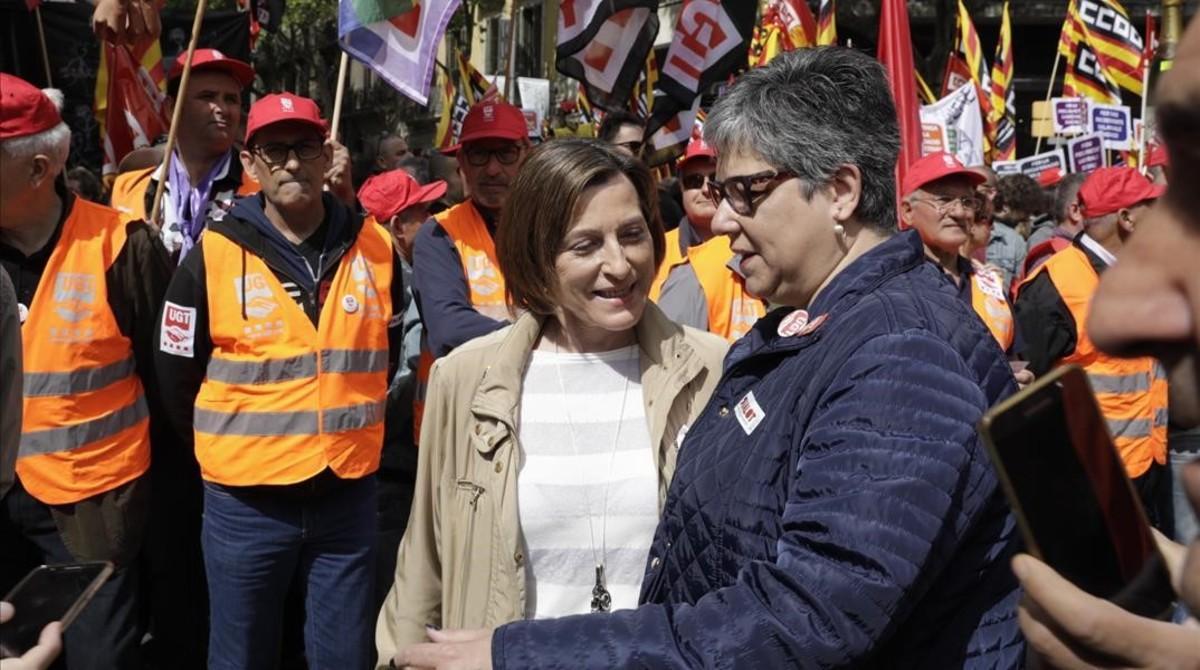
(643, 93)
(785, 25)
(1085, 75)
(972, 49)
(1003, 98)
(454, 110)
(1112, 35)
(827, 23)
(473, 85)
(926, 93)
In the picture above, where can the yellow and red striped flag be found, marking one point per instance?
(1003, 99)
(1115, 40)
(972, 49)
(827, 23)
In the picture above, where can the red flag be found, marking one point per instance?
(895, 52)
(134, 117)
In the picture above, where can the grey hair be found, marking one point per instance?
(54, 143)
(1066, 194)
(812, 111)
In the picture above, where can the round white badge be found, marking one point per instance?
(793, 323)
(22, 312)
(349, 303)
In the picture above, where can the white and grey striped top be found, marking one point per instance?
(557, 484)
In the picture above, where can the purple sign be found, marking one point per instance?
(1070, 115)
(1086, 153)
(1114, 123)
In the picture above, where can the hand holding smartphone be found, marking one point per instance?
(49, 593)
(1076, 507)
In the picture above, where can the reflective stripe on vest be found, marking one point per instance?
(988, 301)
(477, 254)
(282, 400)
(84, 425)
(732, 311)
(1131, 392)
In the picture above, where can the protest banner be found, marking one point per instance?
(1035, 165)
(1069, 115)
(397, 42)
(954, 125)
(1086, 153)
(1114, 123)
(1006, 168)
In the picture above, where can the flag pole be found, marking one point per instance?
(1049, 93)
(156, 209)
(510, 79)
(37, 13)
(1144, 141)
(340, 95)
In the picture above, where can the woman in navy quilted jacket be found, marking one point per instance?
(833, 504)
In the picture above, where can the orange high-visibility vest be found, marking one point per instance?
(731, 310)
(672, 258)
(477, 253)
(987, 298)
(282, 400)
(1132, 392)
(85, 429)
(129, 192)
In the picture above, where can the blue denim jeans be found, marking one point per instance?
(1184, 448)
(257, 539)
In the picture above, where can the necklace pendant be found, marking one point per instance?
(601, 599)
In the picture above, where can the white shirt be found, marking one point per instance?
(587, 488)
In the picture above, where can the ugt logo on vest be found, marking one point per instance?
(258, 298)
(73, 293)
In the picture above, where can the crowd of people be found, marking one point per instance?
(527, 405)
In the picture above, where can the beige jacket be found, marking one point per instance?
(462, 562)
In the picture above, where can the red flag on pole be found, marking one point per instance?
(895, 52)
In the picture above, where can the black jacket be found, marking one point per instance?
(181, 377)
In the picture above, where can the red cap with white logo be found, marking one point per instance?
(492, 119)
(934, 167)
(214, 60)
(281, 108)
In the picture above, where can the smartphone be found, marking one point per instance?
(1076, 508)
(49, 593)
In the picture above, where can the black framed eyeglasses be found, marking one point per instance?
(694, 180)
(944, 203)
(745, 192)
(481, 156)
(277, 152)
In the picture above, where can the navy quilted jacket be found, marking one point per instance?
(856, 521)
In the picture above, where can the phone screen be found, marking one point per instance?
(49, 593)
(1068, 486)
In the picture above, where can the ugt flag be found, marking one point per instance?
(398, 39)
(603, 44)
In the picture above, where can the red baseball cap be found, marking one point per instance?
(387, 194)
(24, 108)
(212, 59)
(696, 148)
(937, 166)
(282, 107)
(492, 119)
(1049, 178)
(1109, 189)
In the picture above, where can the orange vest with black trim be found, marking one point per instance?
(281, 399)
(987, 298)
(85, 427)
(129, 192)
(1132, 392)
(477, 253)
(731, 310)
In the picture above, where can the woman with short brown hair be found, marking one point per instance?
(547, 447)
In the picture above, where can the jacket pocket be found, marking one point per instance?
(468, 495)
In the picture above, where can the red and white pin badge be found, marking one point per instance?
(797, 324)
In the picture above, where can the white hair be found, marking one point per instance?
(54, 143)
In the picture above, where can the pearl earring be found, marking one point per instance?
(839, 230)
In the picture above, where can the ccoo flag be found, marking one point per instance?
(1085, 74)
(398, 39)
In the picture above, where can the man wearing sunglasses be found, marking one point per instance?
(940, 201)
(276, 344)
(699, 283)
